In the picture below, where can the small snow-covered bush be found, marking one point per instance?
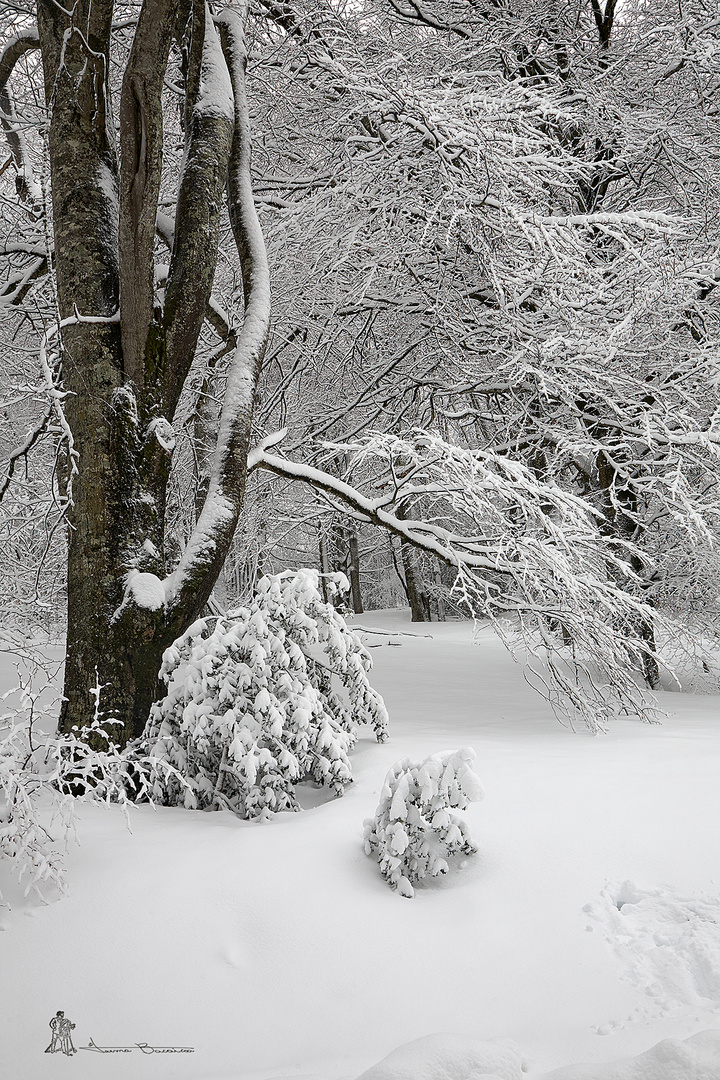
(263, 699)
(412, 831)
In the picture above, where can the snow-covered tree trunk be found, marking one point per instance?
(124, 355)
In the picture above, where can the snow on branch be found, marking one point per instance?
(213, 533)
(528, 555)
(16, 288)
(414, 11)
(14, 49)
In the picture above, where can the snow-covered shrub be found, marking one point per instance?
(412, 831)
(263, 699)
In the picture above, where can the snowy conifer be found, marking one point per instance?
(412, 831)
(263, 699)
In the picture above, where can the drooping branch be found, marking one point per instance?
(522, 547)
(16, 48)
(434, 540)
(141, 146)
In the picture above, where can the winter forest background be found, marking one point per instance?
(341, 330)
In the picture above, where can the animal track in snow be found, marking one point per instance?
(669, 945)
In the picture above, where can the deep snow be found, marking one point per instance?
(586, 929)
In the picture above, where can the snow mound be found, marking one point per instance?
(668, 944)
(450, 1057)
(147, 590)
(696, 1058)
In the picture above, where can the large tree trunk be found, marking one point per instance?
(85, 223)
(124, 361)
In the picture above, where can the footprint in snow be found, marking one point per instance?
(668, 944)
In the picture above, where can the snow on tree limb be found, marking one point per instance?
(213, 533)
(14, 49)
(528, 555)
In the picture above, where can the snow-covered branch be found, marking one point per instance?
(194, 576)
(523, 549)
(14, 49)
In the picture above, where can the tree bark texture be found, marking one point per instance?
(124, 361)
(354, 571)
(412, 581)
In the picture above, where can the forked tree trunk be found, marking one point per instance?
(124, 362)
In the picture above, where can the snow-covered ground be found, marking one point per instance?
(586, 929)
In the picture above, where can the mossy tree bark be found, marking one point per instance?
(124, 357)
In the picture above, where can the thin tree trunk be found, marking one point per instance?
(620, 516)
(418, 598)
(354, 571)
(324, 563)
(440, 601)
(414, 587)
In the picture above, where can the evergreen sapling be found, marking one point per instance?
(263, 699)
(413, 832)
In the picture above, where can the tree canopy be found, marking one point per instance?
(490, 231)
